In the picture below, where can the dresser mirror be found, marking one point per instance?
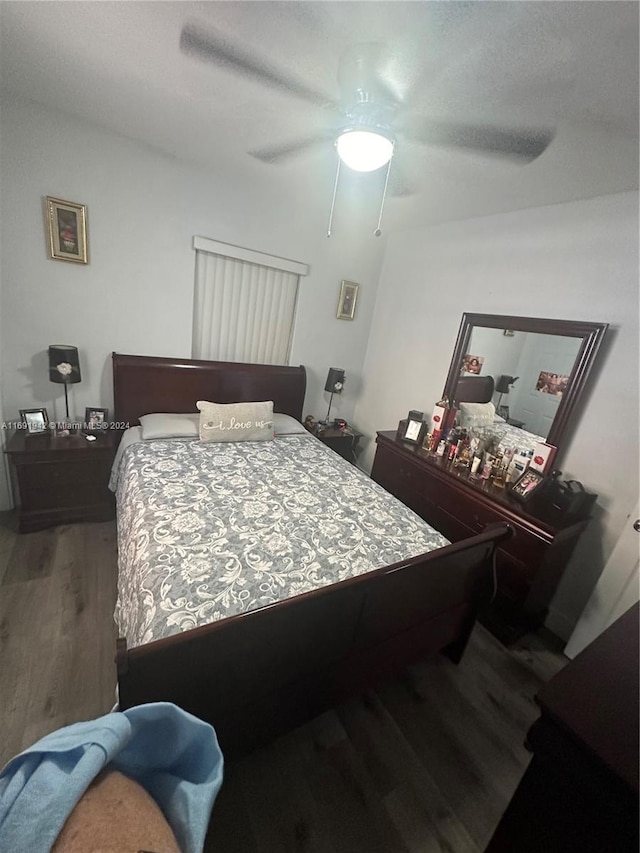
(539, 367)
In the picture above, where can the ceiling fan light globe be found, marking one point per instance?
(364, 150)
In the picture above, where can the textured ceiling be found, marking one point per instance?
(572, 66)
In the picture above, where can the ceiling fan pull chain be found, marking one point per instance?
(333, 200)
(378, 230)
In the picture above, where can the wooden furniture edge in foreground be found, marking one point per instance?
(580, 791)
(258, 674)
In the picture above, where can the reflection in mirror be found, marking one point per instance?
(539, 370)
(538, 366)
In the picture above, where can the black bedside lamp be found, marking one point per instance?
(503, 384)
(64, 368)
(334, 384)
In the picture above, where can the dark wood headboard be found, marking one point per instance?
(144, 384)
(474, 389)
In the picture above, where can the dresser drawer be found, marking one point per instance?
(399, 477)
(525, 547)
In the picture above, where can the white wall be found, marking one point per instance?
(136, 294)
(575, 261)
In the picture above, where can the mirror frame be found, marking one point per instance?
(592, 335)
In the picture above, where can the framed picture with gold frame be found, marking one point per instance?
(347, 300)
(66, 224)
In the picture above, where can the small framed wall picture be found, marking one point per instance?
(96, 418)
(414, 428)
(66, 224)
(527, 485)
(347, 300)
(36, 421)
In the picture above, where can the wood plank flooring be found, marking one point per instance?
(424, 764)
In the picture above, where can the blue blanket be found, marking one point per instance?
(172, 754)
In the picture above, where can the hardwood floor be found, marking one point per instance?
(57, 594)
(426, 763)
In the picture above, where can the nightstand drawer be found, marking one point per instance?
(51, 485)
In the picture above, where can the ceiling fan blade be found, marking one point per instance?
(279, 153)
(210, 46)
(523, 145)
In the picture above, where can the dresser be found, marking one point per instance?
(528, 567)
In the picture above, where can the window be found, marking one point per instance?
(244, 306)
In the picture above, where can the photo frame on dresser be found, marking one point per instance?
(413, 428)
(527, 485)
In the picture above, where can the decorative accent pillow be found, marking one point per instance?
(168, 425)
(477, 414)
(286, 425)
(236, 421)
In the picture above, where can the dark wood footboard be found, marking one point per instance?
(258, 674)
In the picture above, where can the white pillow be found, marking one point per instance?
(236, 421)
(168, 425)
(477, 414)
(286, 425)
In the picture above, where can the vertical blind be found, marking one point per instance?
(243, 310)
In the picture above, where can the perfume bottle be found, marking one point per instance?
(475, 467)
(464, 454)
(486, 468)
(499, 473)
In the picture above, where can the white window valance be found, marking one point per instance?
(214, 247)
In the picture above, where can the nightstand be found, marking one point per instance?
(343, 441)
(61, 480)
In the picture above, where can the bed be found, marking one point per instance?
(479, 390)
(294, 581)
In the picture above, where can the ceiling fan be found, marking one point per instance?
(367, 119)
(366, 110)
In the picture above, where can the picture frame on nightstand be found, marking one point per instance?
(36, 421)
(95, 419)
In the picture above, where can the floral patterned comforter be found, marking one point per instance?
(210, 530)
